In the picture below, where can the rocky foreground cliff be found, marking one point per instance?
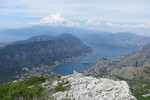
(70, 87)
(90, 88)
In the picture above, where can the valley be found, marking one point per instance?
(74, 50)
(62, 56)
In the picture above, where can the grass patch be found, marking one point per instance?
(26, 89)
(137, 87)
(63, 86)
(32, 89)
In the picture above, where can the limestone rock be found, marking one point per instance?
(90, 88)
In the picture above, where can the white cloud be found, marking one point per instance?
(104, 10)
(146, 25)
(112, 25)
(99, 11)
(56, 20)
(92, 23)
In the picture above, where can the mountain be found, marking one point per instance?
(70, 87)
(32, 39)
(137, 59)
(2, 45)
(28, 55)
(134, 73)
(132, 66)
(121, 40)
(24, 33)
(94, 38)
(35, 39)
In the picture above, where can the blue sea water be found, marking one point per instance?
(68, 67)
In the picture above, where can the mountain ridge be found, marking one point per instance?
(35, 54)
(120, 39)
(90, 37)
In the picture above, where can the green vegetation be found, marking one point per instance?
(137, 87)
(15, 57)
(33, 88)
(63, 86)
(27, 89)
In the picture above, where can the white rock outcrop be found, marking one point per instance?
(90, 88)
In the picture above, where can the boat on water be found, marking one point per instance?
(85, 62)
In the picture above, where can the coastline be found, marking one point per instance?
(56, 63)
(45, 70)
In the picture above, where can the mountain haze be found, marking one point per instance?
(24, 33)
(119, 40)
(94, 38)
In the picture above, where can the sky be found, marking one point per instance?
(105, 15)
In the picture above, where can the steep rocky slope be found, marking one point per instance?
(132, 72)
(137, 59)
(132, 66)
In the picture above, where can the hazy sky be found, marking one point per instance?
(107, 15)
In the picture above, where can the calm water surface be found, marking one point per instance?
(68, 67)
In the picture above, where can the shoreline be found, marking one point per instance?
(68, 60)
(45, 70)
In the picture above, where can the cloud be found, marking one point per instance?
(104, 10)
(135, 26)
(79, 13)
(92, 23)
(56, 20)
(112, 25)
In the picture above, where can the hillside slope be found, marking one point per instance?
(13, 58)
(132, 66)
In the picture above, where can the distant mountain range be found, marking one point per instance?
(93, 38)
(37, 51)
(132, 66)
(24, 33)
(119, 40)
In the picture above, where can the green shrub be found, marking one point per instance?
(27, 89)
(60, 87)
(63, 86)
